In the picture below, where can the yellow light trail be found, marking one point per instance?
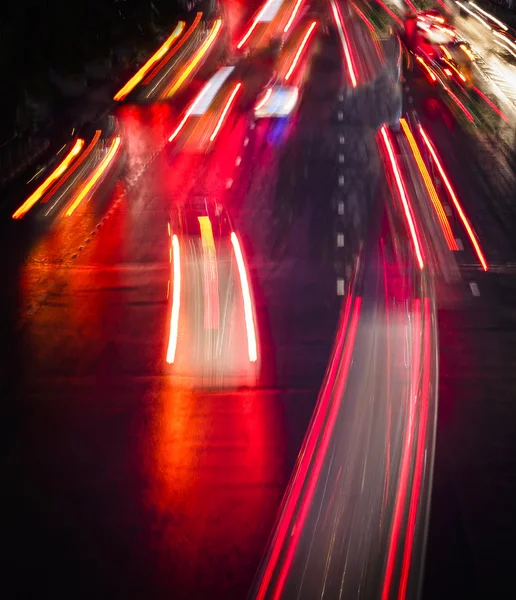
(195, 60)
(33, 198)
(137, 77)
(96, 176)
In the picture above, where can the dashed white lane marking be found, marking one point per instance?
(340, 208)
(229, 183)
(340, 115)
(341, 158)
(459, 243)
(340, 287)
(341, 139)
(341, 97)
(447, 210)
(341, 180)
(340, 240)
(246, 141)
(252, 126)
(238, 160)
(474, 288)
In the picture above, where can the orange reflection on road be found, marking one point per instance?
(65, 164)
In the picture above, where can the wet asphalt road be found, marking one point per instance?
(118, 483)
(471, 551)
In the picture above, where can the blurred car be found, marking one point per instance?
(276, 100)
(212, 334)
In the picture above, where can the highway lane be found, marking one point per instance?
(119, 482)
(470, 537)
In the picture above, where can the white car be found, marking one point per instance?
(276, 101)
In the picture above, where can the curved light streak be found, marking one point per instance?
(246, 295)
(455, 200)
(225, 111)
(345, 46)
(176, 299)
(404, 198)
(140, 74)
(96, 176)
(300, 50)
(35, 196)
(432, 192)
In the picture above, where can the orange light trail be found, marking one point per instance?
(196, 59)
(225, 111)
(445, 225)
(467, 52)
(345, 46)
(246, 295)
(404, 198)
(292, 16)
(446, 51)
(300, 50)
(455, 200)
(456, 70)
(177, 47)
(140, 74)
(211, 278)
(96, 176)
(261, 104)
(176, 299)
(492, 105)
(35, 196)
(77, 164)
(427, 68)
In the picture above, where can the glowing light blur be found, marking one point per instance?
(308, 495)
(389, 12)
(176, 299)
(198, 56)
(70, 172)
(36, 195)
(492, 105)
(140, 74)
(300, 50)
(432, 192)
(292, 16)
(474, 15)
(258, 19)
(455, 200)
(467, 52)
(427, 68)
(211, 278)
(264, 100)
(216, 82)
(246, 295)
(345, 45)
(469, 116)
(489, 16)
(96, 176)
(225, 111)
(404, 198)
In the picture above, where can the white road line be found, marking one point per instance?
(459, 243)
(340, 240)
(341, 180)
(340, 208)
(238, 161)
(340, 287)
(474, 288)
(341, 158)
